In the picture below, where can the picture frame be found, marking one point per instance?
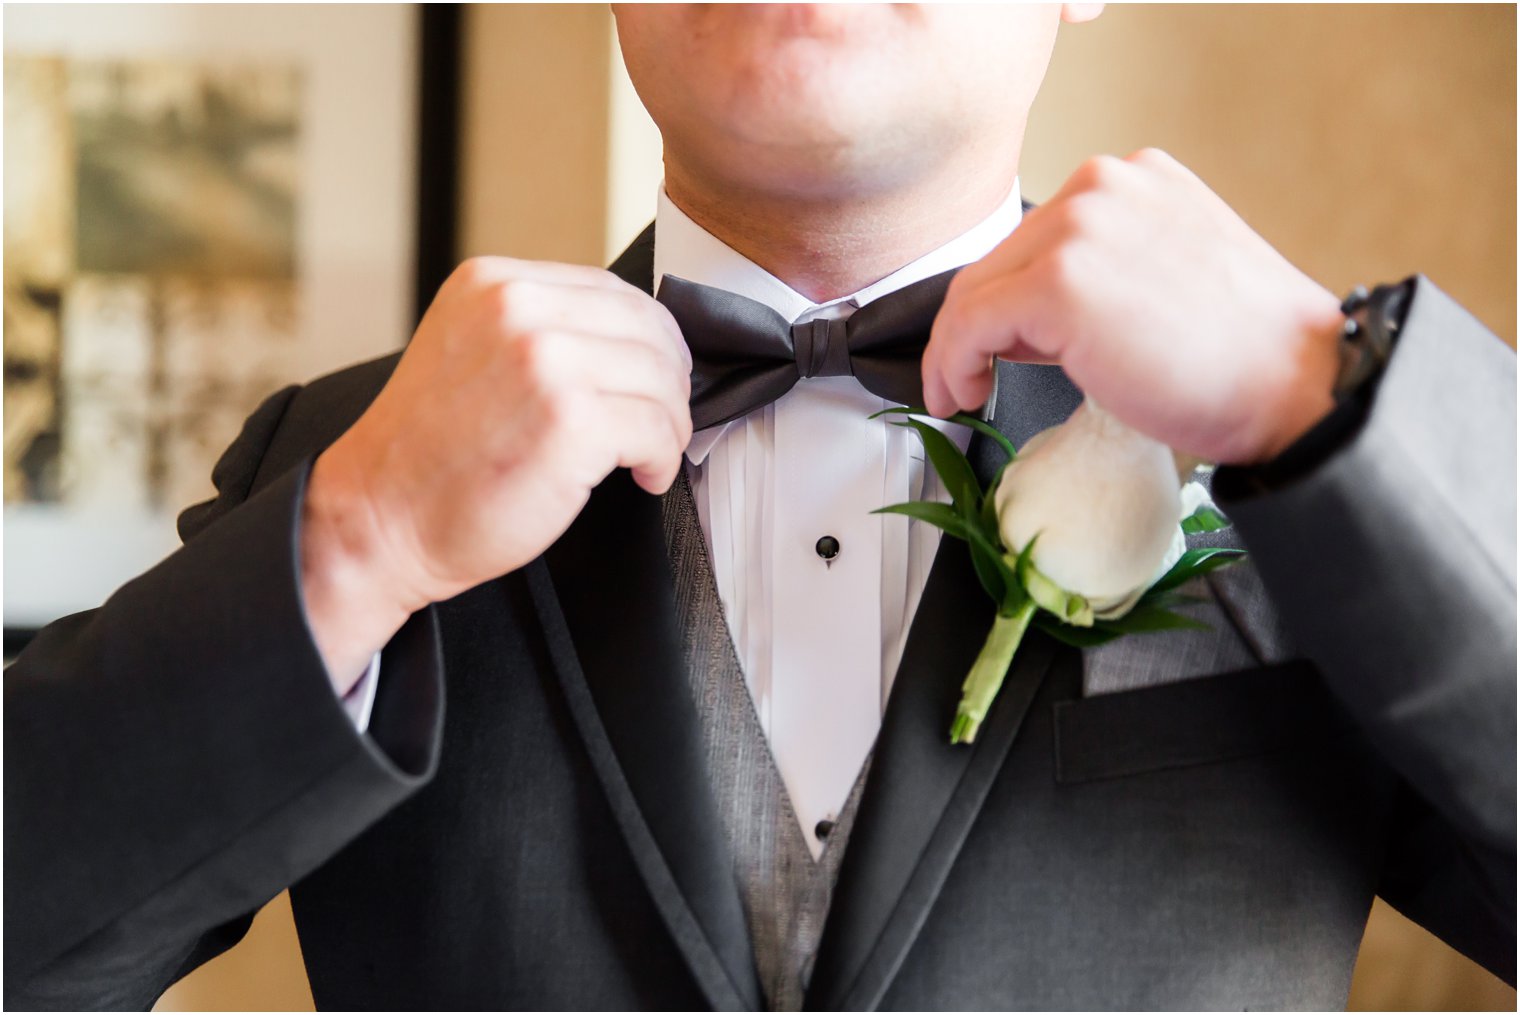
(280, 184)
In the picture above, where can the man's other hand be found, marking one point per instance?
(525, 385)
(1160, 304)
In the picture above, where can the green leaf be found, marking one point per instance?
(953, 467)
(981, 426)
(905, 410)
(990, 571)
(997, 479)
(988, 558)
(1196, 562)
(1079, 637)
(1167, 599)
(987, 544)
(989, 508)
(1206, 519)
(985, 555)
(1138, 621)
(941, 516)
(986, 429)
(1021, 562)
(1102, 632)
(955, 523)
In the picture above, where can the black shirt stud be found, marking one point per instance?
(823, 828)
(827, 547)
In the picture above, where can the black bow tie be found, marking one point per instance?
(745, 355)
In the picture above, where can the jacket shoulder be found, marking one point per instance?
(321, 411)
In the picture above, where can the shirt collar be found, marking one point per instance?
(686, 250)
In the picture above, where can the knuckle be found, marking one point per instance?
(959, 286)
(959, 294)
(476, 272)
(1100, 172)
(1150, 157)
(556, 410)
(607, 277)
(1081, 213)
(507, 300)
(511, 297)
(651, 417)
(468, 273)
(532, 360)
(660, 320)
(661, 428)
(663, 315)
(495, 301)
(637, 307)
(1060, 268)
(671, 378)
(628, 303)
(645, 366)
(952, 317)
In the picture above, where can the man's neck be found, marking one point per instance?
(825, 249)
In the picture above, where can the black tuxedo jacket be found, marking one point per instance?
(527, 824)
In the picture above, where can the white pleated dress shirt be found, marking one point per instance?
(819, 642)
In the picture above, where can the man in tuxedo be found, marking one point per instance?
(559, 663)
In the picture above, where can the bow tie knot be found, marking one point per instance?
(822, 348)
(745, 355)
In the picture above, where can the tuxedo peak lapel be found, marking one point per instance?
(607, 603)
(923, 793)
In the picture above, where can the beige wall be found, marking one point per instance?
(535, 148)
(1366, 143)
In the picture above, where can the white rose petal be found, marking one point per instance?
(1104, 500)
(1194, 496)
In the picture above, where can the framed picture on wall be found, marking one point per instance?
(203, 204)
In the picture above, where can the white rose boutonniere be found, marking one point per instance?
(1082, 533)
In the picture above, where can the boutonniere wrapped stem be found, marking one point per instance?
(1081, 533)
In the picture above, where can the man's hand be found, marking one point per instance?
(1160, 304)
(525, 385)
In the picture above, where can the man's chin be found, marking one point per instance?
(811, 125)
(816, 170)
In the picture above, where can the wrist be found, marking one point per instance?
(355, 594)
(1305, 394)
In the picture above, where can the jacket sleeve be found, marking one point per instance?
(177, 757)
(1392, 564)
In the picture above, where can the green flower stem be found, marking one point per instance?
(987, 673)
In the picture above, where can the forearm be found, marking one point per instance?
(178, 756)
(1393, 565)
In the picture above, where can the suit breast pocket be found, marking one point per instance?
(1194, 722)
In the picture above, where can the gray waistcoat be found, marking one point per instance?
(786, 893)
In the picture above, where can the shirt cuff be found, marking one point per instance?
(359, 702)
